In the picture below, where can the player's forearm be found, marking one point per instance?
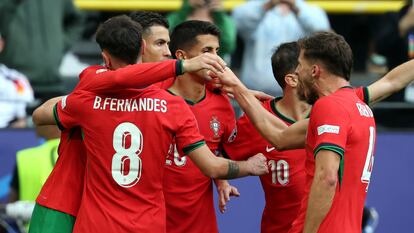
(266, 124)
(322, 190)
(395, 80)
(294, 137)
(320, 201)
(43, 115)
(133, 76)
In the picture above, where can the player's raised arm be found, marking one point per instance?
(269, 126)
(395, 80)
(43, 115)
(218, 167)
(102, 81)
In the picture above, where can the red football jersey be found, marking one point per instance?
(284, 184)
(68, 174)
(344, 124)
(127, 138)
(188, 192)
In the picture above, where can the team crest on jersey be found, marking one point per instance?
(215, 126)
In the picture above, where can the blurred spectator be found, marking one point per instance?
(33, 165)
(392, 42)
(15, 94)
(39, 33)
(264, 25)
(213, 12)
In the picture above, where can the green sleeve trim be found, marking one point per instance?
(56, 116)
(179, 67)
(193, 146)
(366, 95)
(337, 149)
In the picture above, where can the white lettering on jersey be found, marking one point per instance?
(97, 102)
(130, 105)
(364, 110)
(328, 129)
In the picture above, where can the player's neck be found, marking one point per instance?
(292, 107)
(190, 87)
(331, 84)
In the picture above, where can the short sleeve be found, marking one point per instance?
(329, 123)
(187, 137)
(243, 141)
(363, 94)
(68, 111)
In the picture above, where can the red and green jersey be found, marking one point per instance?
(68, 173)
(344, 124)
(284, 184)
(188, 192)
(127, 137)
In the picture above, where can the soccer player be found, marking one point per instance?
(284, 185)
(155, 34)
(127, 145)
(393, 81)
(340, 138)
(68, 175)
(188, 192)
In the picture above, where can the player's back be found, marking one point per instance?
(127, 138)
(350, 132)
(357, 165)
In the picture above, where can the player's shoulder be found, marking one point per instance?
(155, 90)
(92, 70)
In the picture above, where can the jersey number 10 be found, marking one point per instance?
(280, 171)
(127, 143)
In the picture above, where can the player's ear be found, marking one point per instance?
(143, 45)
(107, 59)
(180, 54)
(316, 70)
(291, 80)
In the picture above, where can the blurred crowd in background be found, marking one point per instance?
(44, 45)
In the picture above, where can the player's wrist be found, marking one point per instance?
(179, 67)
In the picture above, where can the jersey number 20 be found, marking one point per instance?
(127, 142)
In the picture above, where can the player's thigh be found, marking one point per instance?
(45, 220)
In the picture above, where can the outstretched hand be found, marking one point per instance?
(206, 61)
(226, 80)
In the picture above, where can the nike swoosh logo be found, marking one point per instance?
(269, 149)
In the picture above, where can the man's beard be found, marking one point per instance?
(311, 95)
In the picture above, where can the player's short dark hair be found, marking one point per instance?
(121, 37)
(332, 50)
(183, 36)
(148, 19)
(284, 61)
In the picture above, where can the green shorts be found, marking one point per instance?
(46, 220)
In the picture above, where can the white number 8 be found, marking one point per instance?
(124, 133)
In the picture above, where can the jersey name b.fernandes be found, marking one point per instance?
(344, 124)
(127, 137)
(68, 174)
